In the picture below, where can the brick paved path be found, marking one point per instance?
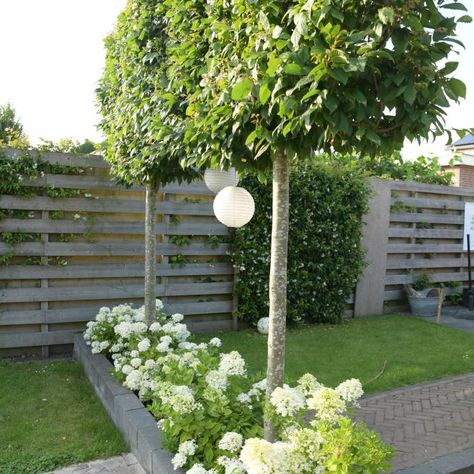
(423, 421)
(123, 464)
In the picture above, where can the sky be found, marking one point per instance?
(53, 55)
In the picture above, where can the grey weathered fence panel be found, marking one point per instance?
(423, 233)
(86, 251)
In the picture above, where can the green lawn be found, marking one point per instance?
(50, 417)
(415, 351)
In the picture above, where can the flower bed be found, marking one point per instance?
(211, 412)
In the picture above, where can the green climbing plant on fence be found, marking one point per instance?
(325, 255)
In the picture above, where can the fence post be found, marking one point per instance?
(369, 294)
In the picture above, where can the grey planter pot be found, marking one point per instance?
(426, 305)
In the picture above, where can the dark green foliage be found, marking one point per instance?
(325, 257)
(422, 282)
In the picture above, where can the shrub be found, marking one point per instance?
(325, 257)
(211, 413)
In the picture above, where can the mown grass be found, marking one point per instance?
(414, 351)
(50, 417)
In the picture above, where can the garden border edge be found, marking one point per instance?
(133, 420)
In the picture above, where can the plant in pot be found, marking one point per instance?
(422, 296)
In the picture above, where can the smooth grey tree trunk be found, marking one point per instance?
(150, 252)
(278, 281)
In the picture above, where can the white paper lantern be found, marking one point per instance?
(216, 180)
(234, 206)
(262, 325)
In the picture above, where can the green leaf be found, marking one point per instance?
(252, 136)
(400, 39)
(465, 19)
(242, 89)
(455, 6)
(339, 74)
(458, 87)
(373, 137)
(331, 103)
(310, 93)
(449, 67)
(264, 93)
(410, 94)
(273, 64)
(294, 69)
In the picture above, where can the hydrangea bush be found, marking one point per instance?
(211, 411)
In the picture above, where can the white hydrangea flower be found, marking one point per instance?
(163, 347)
(180, 397)
(350, 390)
(308, 384)
(188, 448)
(136, 362)
(155, 327)
(159, 304)
(200, 469)
(216, 380)
(134, 354)
(231, 441)
(144, 345)
(244, 398)
(150, 364)
(231, 465)
(287, 401)
(215, 342)
(328, 404)
(179, 460)
(133, 380)
(126, 369)
(232, 364)
(177, 317)
(261, 457)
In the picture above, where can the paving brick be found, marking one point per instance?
(424, 422)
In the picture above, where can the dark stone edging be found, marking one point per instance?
(128, 413)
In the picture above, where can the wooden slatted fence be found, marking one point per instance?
(86, 251)
(418, 229)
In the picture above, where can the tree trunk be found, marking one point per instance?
(150, 252)
(278, 280)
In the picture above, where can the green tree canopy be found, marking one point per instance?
(139, 115)
(11, 128)
(310, 75)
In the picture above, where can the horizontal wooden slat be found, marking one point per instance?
(94, 183)
(424, 248)
(431, 188)
(435, 277)
(438, 262)
(426, 203)
(63, 249)
(425, 233)
(102, 292)
(79, 226)
(422, 217)
(81, 160)
(32, 339)
(74, 315)
(393, 295)
(103, 205)
(125, 270)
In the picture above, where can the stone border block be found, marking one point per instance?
(128, 413)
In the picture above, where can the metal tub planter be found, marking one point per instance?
(425, 303)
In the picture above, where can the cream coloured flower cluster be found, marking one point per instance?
(206, 397)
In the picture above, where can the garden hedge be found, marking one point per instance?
(325, 257)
